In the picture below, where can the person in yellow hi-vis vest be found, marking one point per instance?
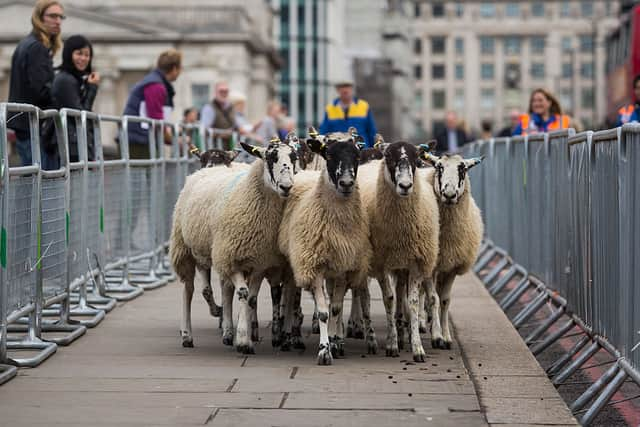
(545, 115)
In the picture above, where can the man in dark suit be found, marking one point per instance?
(451, 137)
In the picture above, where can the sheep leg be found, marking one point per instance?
(185, 323)
(205, 277)
(254, 289)
(336, 327)
(275, 283)
(437, 340)
(444, 291)
(355, 327)
(227, 313)
(315, 326)
(414, 285)
(321, 297)
(422, 312)
(401, 309)
(243, 338)
(287, 312)
(298, 318)
(387, 286)
(365, 306)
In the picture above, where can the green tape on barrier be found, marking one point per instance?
(101, 219)
(3, 247)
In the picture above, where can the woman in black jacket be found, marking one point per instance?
(75, 86)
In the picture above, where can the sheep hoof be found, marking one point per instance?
(315, 327)
(349, 333)
(255, 334)
(358, 333)
(215, 310)
(422, 328)
(286, 342)
(401, 343)
(324, 356)
(276, 341)
(393, 352)
(437, 343)
(298, 344)
(372, 347)
(227, 340)
(246, 349)
(447, 345)
(418, 357)
(187, 342)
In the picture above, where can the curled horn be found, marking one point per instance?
(194, 150)
(379, 140)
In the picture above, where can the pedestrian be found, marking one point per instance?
(346, 111)
(75, 86)
(191, 135)
(452, 136)
(152, 97)
(268, 127)
(545, 114)
(32, 78)
(486, 129)
(219, 115)
(514, 121)
(631, 112)
(239, 105)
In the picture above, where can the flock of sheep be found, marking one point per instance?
(327, 216)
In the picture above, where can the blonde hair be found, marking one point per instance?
(168, 60)
(555, 105)
(54, 43)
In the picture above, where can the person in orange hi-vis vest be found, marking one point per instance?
(631, 112)
(545, 115)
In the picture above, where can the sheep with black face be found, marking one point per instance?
(324, 234)
(461, 232)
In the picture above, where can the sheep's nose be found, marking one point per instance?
(285, 188)
(405, 186)
(449, 196)
(345, 183)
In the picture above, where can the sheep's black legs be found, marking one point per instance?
(336, 328)
(355, 328)
(445, 283)
(185, 323)
(227, 313)
(388, 286)
(365, 305)
(433, 300)
(413, 299)
(321, 297)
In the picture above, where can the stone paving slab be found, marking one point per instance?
(132, 371)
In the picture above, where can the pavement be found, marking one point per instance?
(132, 370)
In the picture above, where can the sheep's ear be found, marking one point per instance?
(253, 150)
(229, 156)
(317, 146)
(379, 143)
(430, 158)
(313, 133)
(275, 139)
(469, 163)
(428, 146)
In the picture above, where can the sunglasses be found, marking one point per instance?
(55, 16)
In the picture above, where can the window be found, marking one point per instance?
(417, 72)
(586, 43)
(512, 45)
(417, 46)
(487, 10)
(199, 95)
(418, 101)
(487, 71)
(587, 70)
(487, 45)
(512, 10)
(537, 44)
(458, 100)
(459, 70)
(537, 9)
(459, 45)
(567, 70)
(586, 7)
(565, 9)
(437, 45)
(566, 44)
(416, 10)
(438, 99)
(459, 10)
(437, 71)
(587, 98)
(537, 70)
(566, 99)
(437, 10)
(487, 99)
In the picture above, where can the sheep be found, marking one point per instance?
(403, 221)
(461, 230)
(238, 236)
(324, 235)
(213, 157)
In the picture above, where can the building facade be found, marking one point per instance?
(482, 59)
(220, 40)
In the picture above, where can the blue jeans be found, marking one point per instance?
(48, 161)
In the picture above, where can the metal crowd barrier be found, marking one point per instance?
(66, 252)
(562, 215)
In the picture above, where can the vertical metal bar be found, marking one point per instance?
(4, 188)
(569, 370)
(602, 400)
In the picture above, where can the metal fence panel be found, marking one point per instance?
(496, 186)
(518, 200)
(537, 193)
(54, 236)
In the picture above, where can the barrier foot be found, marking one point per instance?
(89, 316)
(530, 309)
(74, 330)
(495, 271)
(514, 295)
(562, 361)
(579, 361)
(602, 400)
(7, 372)
(502, 282)
(148, 281)
(123, 291)
(544, 326)
(552, 338)
(45, 349)
(594, 389)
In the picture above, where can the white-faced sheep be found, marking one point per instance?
(461, 232)
(403, 219)
(238, 236)
(324, 234)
